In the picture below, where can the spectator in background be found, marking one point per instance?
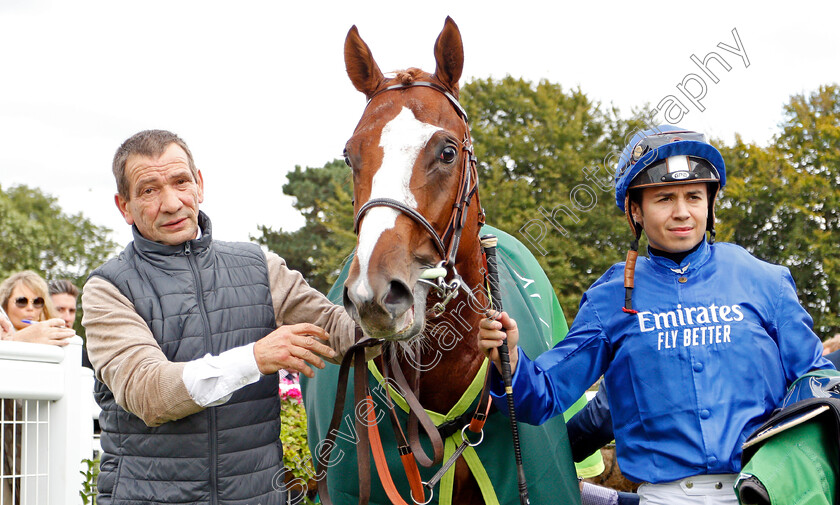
(831, 344)
(63, 294)
(25, 298)
(27, 315)
(831, 350)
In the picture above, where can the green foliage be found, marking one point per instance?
(546, 163)
(546, 160)
(296, 456)
(293, 435)
(91, 475)
(533, 143)
(782, 202)
(324, 196)
(36, 234)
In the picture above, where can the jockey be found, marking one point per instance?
(697, 342)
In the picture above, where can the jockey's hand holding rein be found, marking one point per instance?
(491, 336)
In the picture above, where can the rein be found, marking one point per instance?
(410, 449)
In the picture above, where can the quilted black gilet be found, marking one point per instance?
(197, 298)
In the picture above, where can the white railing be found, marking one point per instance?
(45, 423)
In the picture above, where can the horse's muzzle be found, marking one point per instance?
(392, 315)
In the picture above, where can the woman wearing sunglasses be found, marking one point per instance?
(25, 298)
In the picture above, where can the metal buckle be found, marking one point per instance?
(466, 440)
(431, 494)
(447, 292)
(436, 278)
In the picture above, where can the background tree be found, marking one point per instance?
(546, 159)
(546, 162)
(317, 250)
(533, 142)
(36, 234)
(782, 202)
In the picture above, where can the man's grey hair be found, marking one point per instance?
(150, 143)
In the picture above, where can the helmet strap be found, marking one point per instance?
(630, 270)
(628, 214)
(710, 217)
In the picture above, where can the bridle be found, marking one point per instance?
(447, 242)
(446, 245)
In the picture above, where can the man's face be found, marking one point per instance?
(673, 216)
(163, 196)
(65, 304)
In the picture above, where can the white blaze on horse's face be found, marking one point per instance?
(401, 140)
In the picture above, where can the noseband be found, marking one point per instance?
(446, 243)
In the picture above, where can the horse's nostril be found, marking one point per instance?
(398, 299)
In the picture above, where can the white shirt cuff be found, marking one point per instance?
(212, 380)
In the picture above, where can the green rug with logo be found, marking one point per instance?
(528, 296)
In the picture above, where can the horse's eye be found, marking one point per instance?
(448, 154)
(347, 160)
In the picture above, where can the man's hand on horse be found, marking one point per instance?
(491, 335)
(291, 347)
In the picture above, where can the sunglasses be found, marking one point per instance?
(23, 301)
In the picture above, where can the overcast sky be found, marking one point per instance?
(257, 87)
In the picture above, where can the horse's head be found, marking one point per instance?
(410, 159)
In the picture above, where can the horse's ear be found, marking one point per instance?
(361, 67)
(449, 55)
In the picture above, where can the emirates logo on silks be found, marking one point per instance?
(691, 326)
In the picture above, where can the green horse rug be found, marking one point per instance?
(528, 296)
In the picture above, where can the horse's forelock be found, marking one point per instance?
(408, 76)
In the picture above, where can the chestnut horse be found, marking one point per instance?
(417, 210)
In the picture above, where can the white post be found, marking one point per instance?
(32, 376)
(70, 430)
(53, 394)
